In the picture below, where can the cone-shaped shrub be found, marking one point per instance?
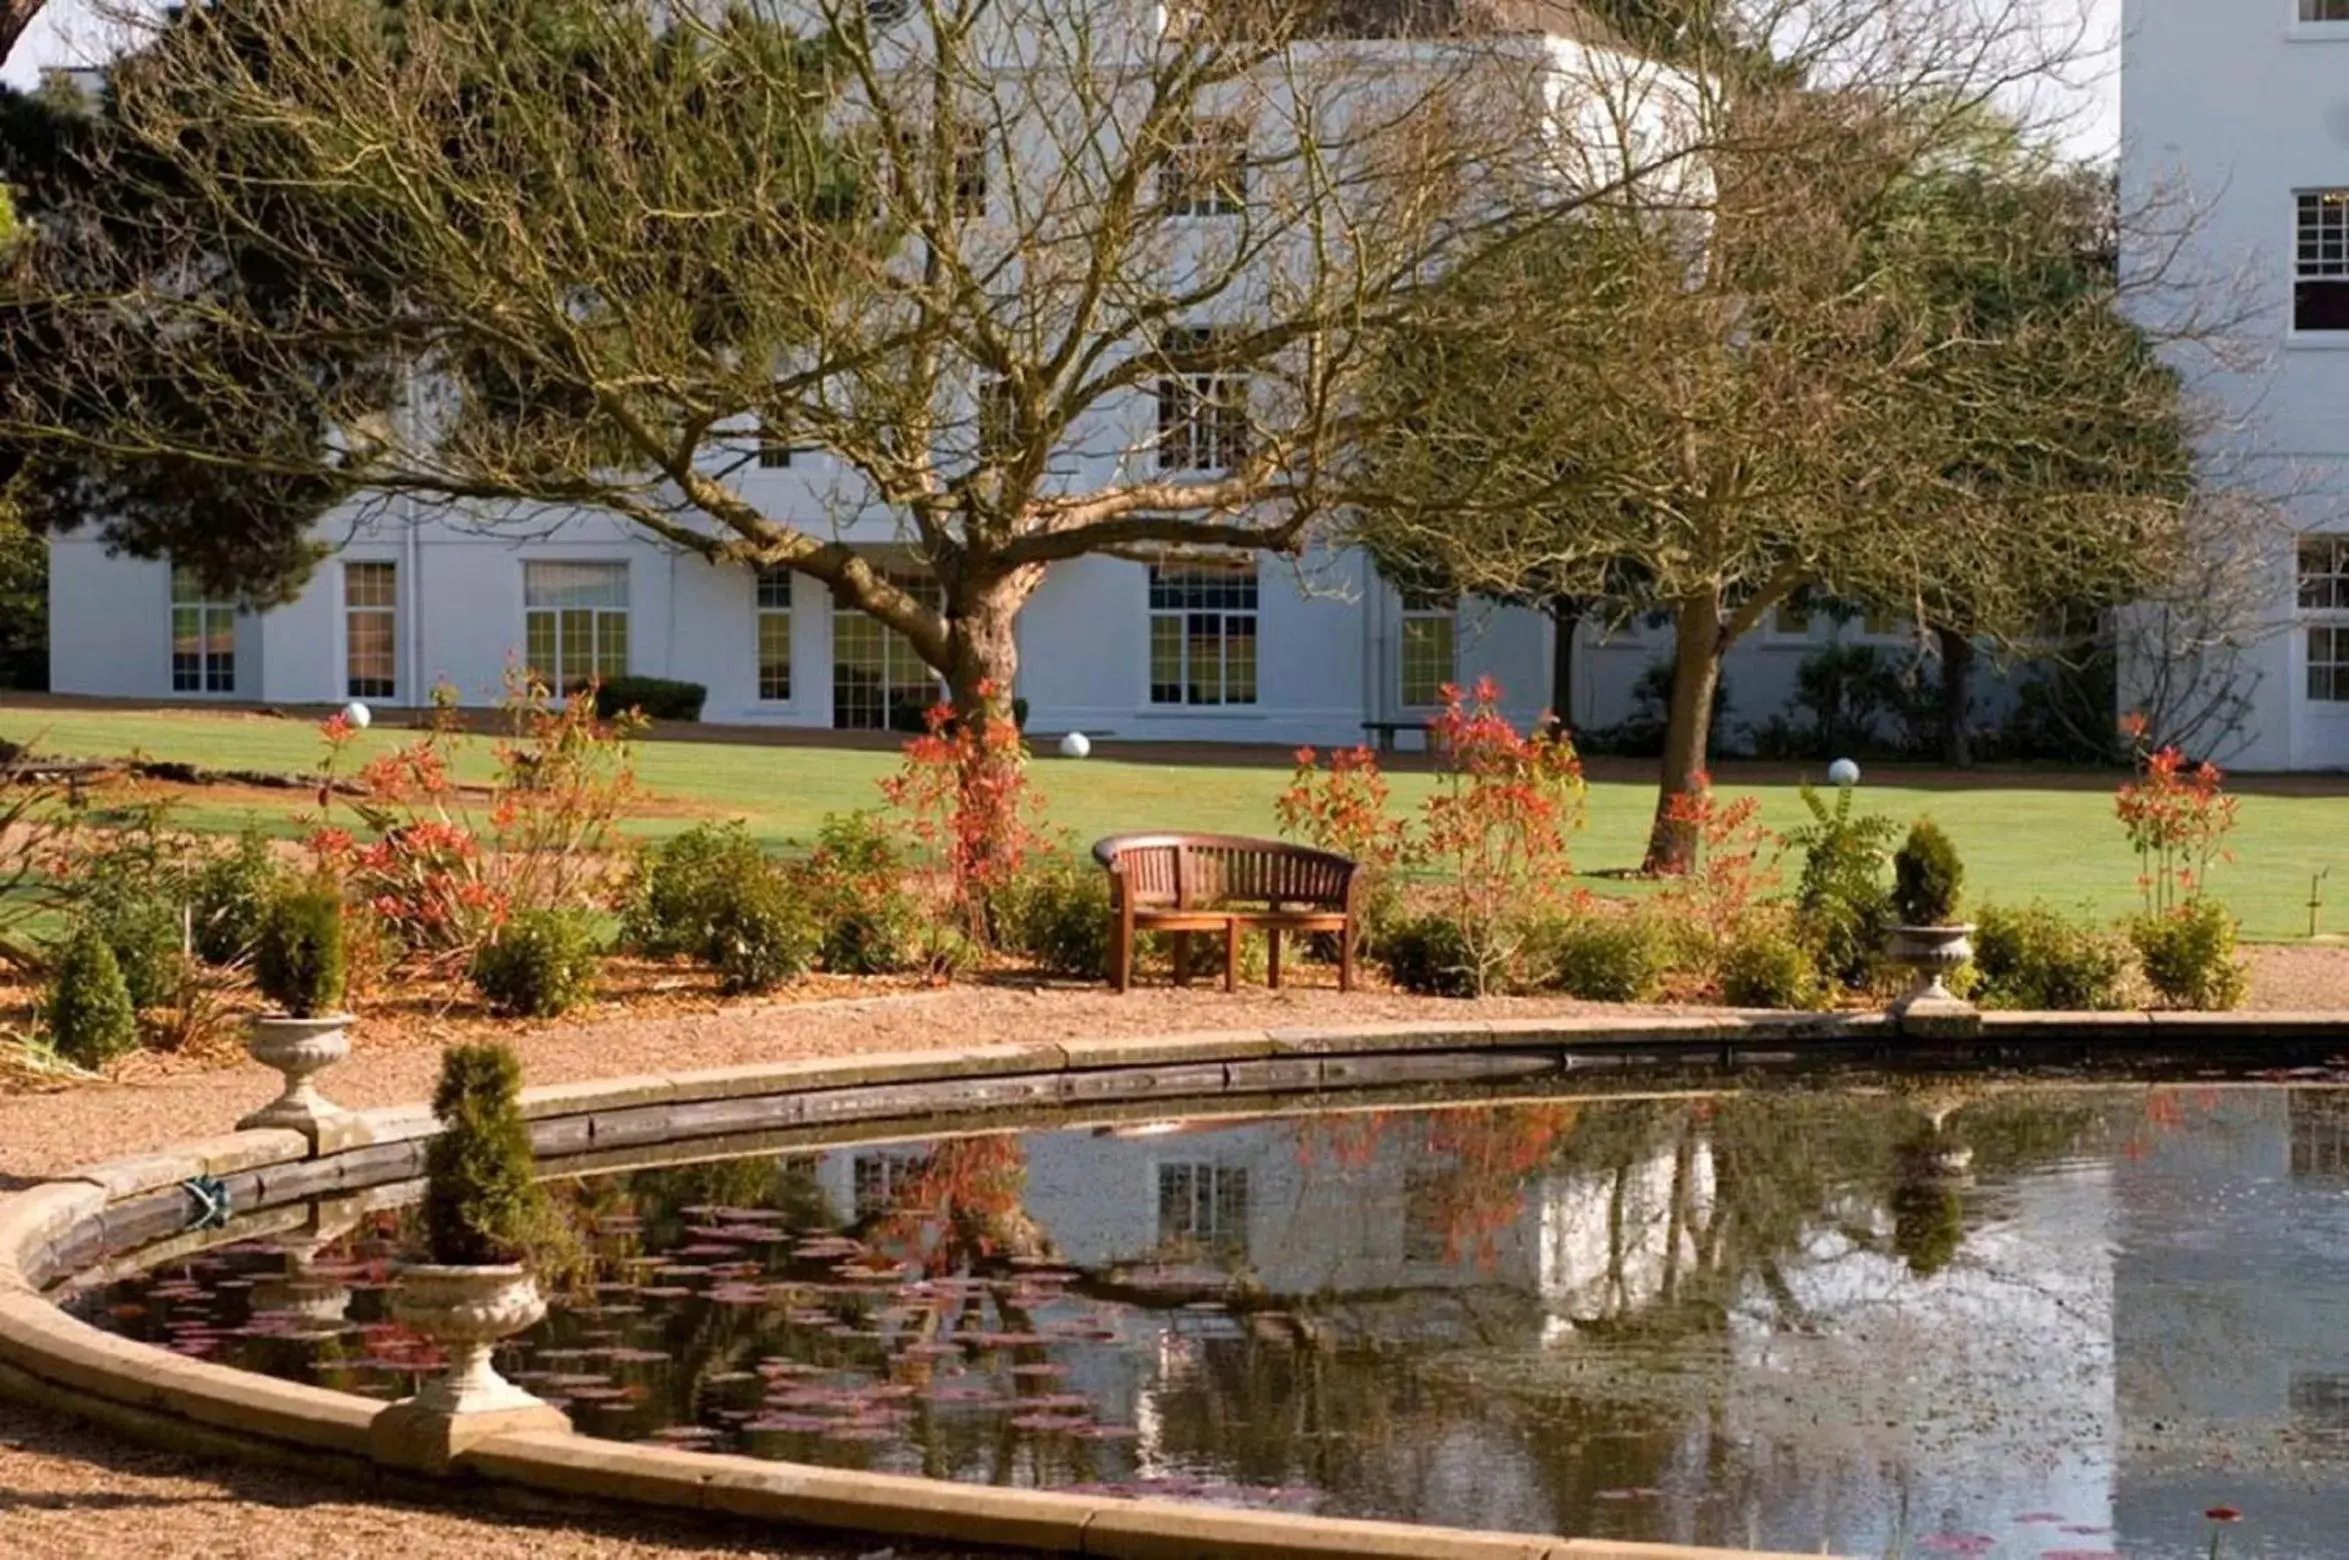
(482, 1204)
(1926, 873)
(89, 1009)
(298, 961)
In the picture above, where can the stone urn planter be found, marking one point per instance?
(299, 1049)
(467, 1310)
(1930, 955)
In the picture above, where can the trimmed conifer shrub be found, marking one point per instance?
(482, 1201)
(298, 960)
(91, 1020)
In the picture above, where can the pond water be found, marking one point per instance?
(2063, 1322)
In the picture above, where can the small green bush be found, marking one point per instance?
(540, 964)
(1056, 912)
(1846, 910)
(298, 958)
(143, 923)
(482, 1200)
(230, 895)
(2040, 960)
(2188, 956)
(855, 884)
(1429, 954)
(89, 1010)
(948, 953)
(763, 937)
(1769, 967)
(661, 698)
(1926, 876)
(1598, 957)
(680, 891)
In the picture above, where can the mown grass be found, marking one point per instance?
(2024, 835)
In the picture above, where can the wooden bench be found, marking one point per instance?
(1186, 883)
(1387, 730)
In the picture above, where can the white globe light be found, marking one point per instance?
(359, 715)
(1843, 772)
(1075, 745)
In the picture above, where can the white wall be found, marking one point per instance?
(2227, 110)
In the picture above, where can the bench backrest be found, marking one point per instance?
(1187, 870)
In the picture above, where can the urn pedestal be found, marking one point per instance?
(301, 1048)
(1931, 954)
(466, 1310)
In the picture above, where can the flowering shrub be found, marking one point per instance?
(1735, 867)
(1345, 809)
(448, 865)
(2177, 817)
(1499, 823)
(962, 792)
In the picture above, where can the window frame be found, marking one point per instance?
(215, 620)
(2323, 611)
(2315, 272)
(1202, 416)
(892, 643)
(1188, 617)
(1433, 608)
(599, 617)
(775, 452)
(972, 156)
(1204, 172)
(386, 687)
(2314, 13)
(1215, 1201)
(768, 614)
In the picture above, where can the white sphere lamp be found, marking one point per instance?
(1075, 745)
(1843, 772)
(358, 715)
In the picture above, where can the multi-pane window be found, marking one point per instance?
(2324, 10)
(2320, 269)
(1204, 1207)
(774, 630)
(2324, 598)
(1425, 655)
(1202, 412)
(1206, 169)
(999, 415)
(1203, 633)
(575, 621)
(879, 682)
(203, 638)
(371, 596)
(2319, 1120)
(970, 172)
(876, 1180)
(775, 449)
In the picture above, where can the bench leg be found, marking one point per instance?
(1346, 956)
(1182, 958)
(1121, 952)
(1231, 956)
(1272, 957)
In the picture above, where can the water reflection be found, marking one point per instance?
(2046, 1321)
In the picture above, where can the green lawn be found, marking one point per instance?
(2023, 834)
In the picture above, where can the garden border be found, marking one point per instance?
(101, 1213)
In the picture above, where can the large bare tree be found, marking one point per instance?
(1828, 373)
(1029, 280)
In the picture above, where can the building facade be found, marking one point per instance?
(2235, 120)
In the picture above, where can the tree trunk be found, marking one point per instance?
(982, 651)
(1957, 669)
(1566, 614)
(1688, 729)
(15, 17)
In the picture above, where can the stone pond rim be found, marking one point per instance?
(105, 1213)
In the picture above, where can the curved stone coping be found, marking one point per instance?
(103, 1211)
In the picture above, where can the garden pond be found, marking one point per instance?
(2044, 1320)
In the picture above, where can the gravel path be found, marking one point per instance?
(73, 1494)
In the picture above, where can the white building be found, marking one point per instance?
(1253, 649)
(2240, 112)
